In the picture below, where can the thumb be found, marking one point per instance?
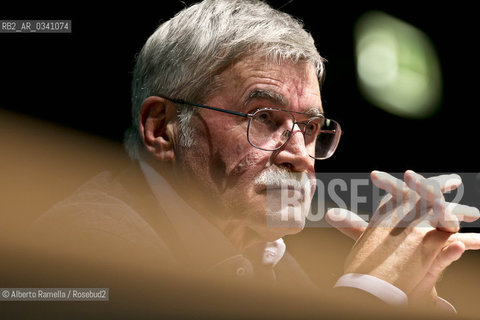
(447, 256)
(347, 222)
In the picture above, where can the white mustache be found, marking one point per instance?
(277, 177)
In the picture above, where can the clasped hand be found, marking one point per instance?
(412, 236)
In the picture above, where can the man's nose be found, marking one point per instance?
(294, 153)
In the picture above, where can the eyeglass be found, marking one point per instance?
(269, 129)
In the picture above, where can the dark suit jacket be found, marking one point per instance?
(113, 213)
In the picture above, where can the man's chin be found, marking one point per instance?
(280, 224)
(275, 233)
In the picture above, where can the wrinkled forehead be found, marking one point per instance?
(285, 84)
(302, 68)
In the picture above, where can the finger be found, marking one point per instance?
(455, 213)
(447, 222)
(444, 219)
(382, 180)
(463, 212)
(347, 222)
(447, 182)
(448, 215)
(446, 256)
(429, 190)
(471, 241)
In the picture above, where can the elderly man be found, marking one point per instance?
(227, 123)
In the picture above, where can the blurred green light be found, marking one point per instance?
(397, 66)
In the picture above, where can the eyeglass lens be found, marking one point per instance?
(269, 129)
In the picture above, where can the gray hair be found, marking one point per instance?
(182, 58)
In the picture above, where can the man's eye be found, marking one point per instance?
(263, 117)
(311, 129)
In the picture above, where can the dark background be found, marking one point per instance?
(82, 80)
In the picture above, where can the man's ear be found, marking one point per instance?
(158, 127)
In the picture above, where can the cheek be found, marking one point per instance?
(234, 155)
(223, 157)
(240, 193)
(246, 167)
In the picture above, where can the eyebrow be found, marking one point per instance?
(274, 97)
(314, 112)
(278, 100)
